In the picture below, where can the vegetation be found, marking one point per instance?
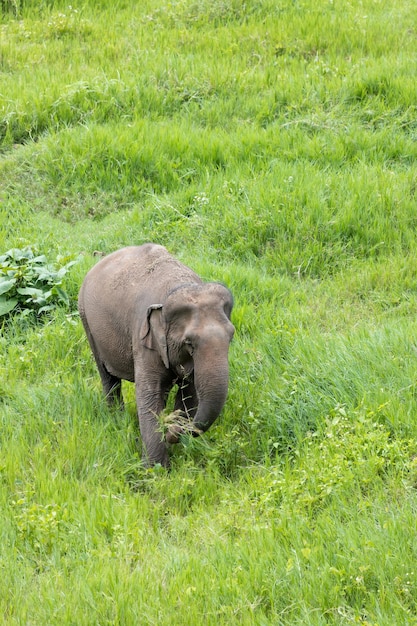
(270, 145)
(29, 283)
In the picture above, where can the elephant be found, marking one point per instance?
(153, 321)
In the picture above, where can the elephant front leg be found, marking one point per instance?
(150, 403)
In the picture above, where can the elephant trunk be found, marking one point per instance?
(211, 381)
(211, 378)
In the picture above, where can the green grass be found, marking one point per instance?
(270, 145)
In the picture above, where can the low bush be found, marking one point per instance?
(28, 282)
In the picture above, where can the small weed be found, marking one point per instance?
(38, 524)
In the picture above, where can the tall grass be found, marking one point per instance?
(271, 146)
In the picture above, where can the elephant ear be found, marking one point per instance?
(153, 332)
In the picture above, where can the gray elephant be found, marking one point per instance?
(151, 320)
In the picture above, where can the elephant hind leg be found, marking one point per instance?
(112, 387)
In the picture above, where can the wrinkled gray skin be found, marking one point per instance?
(153, 321)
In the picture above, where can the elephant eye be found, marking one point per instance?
(189, 346)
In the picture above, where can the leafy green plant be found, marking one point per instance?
(29, 283)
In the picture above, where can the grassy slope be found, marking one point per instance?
(281, 138)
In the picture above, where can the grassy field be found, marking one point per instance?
(272, 145)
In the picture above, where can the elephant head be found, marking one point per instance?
(191, 330)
